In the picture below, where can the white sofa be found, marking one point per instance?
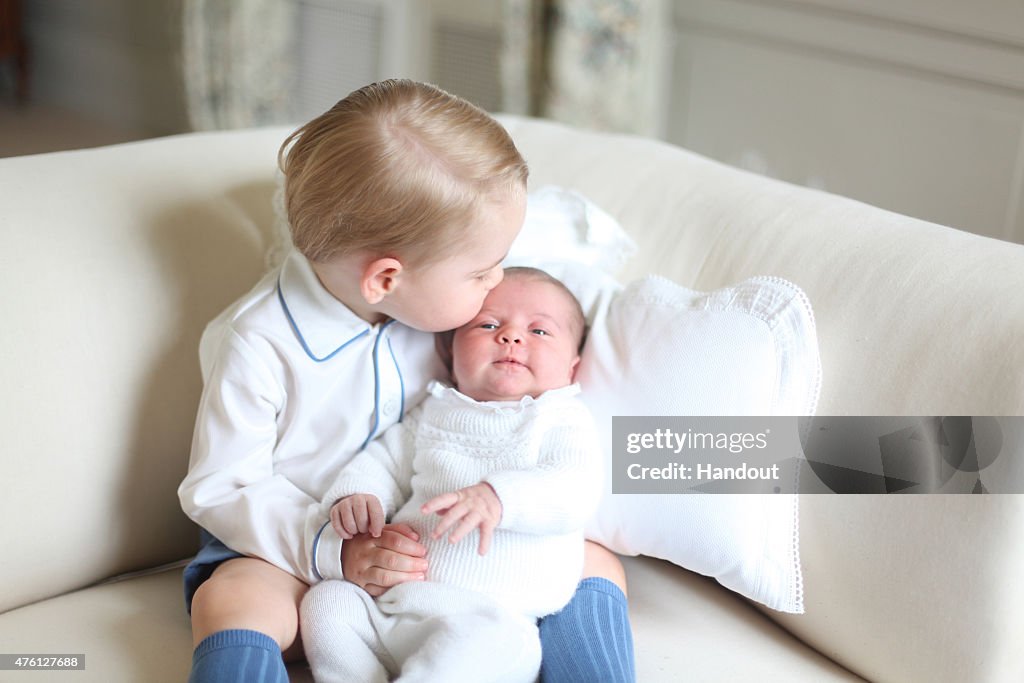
(113, 259)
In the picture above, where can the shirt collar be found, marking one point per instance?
(323, 325)
(441, 390)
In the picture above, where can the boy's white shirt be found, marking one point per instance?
(295, 384)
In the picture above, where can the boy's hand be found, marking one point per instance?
(360, 513)
(474, 507)
(377, 564)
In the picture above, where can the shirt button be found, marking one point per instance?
(390, 407)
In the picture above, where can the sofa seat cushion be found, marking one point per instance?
(137, 630)
(131, 630)
(685, 627)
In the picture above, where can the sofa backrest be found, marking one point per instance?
(913, 318)
(112, 262)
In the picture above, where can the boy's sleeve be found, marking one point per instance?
(383, 469)
(231, 489)
(562, 491)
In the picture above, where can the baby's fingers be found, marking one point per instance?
(449, 518)
(339, 524)
(486, 534)
(470, 521)
(441, 502)
(376, 517)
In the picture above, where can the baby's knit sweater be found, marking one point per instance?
(543, 460)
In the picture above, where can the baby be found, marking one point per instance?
(506, 461)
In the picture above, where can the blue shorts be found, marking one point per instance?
(210, 556)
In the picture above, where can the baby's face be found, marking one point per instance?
(521, 343)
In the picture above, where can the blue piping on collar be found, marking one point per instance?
(298, 333)
(376, 369)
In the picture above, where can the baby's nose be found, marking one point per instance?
(509, 338)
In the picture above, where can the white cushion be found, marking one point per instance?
(656, 348)
(563, 224)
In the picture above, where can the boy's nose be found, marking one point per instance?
(496, 279)
(508, 338)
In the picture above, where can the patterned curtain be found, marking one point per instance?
(238, 62)
(592, 63)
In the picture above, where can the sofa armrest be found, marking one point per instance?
(909, 589)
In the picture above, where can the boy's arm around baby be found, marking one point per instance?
(233, 488)
(561, 492)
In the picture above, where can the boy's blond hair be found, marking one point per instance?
(397, 168)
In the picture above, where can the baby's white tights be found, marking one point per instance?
(417, 631)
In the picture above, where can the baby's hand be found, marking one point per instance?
(474, 507)
(360, 513)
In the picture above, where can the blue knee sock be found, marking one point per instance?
(238, 656)
(590, 640)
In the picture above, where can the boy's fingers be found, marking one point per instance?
(386, 578)
(404, 529)
(398, 541)
(398, 562)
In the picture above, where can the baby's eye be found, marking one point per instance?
(540, 332)
(488, 326)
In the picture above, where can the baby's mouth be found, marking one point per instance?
(509, 361)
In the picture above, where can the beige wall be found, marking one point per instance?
(113, 60)
(912, 105)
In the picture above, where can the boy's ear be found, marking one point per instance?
(380, 278)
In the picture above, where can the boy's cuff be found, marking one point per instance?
(327, 554)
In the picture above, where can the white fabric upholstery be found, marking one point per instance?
(655, 348)
(661, 349)
(112, 260)
(910, 314)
